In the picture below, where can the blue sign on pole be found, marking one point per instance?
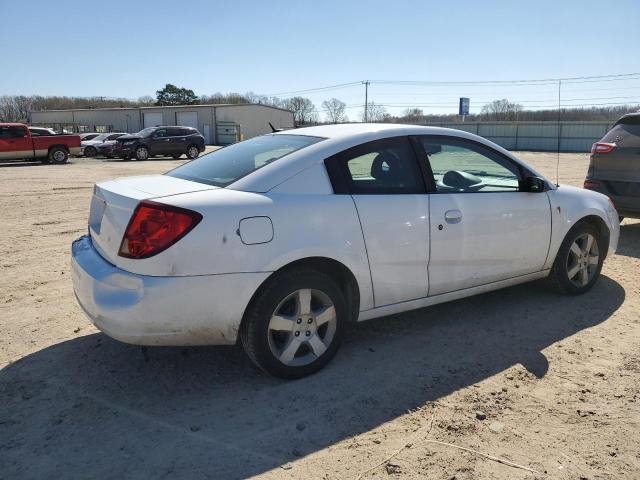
(464, 106)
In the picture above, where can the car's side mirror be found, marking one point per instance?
(534, 185)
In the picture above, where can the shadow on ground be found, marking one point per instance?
(95, 408)
(21, 163)
(629, 244)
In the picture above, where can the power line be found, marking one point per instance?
(318, 89)
(595, 78)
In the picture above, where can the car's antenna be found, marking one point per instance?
(559, 134)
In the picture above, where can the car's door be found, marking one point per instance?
(484, 226)
(159, 142)
(15, 143)
(178, 140)
(387, 187)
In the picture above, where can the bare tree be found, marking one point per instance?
(335, 110)
(146, 101)
(412, 115)
(501, 110)
(304, 111)
(375, 113)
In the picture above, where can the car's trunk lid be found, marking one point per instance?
(114, 201)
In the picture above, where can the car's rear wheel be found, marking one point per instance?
(193, 152)
(142, 153)
(90, 152)
(579, 260)
(58, 155)
(294, 325)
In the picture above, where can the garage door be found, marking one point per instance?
(187, 119)
(152, 119)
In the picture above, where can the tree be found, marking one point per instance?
(412, 115)
(304, 111)
(335, 110)
(375, 113)
(172, 95)
(501, 110)
(146, 101)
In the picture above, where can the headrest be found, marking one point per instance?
(384, 165)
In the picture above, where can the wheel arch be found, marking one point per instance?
(338, 271)
(58, 145)
(600, 225)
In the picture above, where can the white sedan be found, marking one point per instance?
(284, 239)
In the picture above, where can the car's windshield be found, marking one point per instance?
(145, 132)
(225, 166)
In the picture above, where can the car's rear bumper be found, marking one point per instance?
(146, 310)
(626, 205)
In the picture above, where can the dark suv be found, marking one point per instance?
(614, 169)
(166, 141)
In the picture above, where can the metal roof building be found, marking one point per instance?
(219, 124)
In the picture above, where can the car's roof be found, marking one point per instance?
(357, 129)
(634, 117)
(339, 138)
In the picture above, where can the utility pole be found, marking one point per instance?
(366, 100)
(559, 132)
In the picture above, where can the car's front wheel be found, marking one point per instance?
(142, 153)
(294, 325)
(579, 260)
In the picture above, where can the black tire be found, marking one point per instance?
(90, 152)
(58, 155)
(176, 156)
(559, 279)
(193, 152)
(257, 339)
(142, 153)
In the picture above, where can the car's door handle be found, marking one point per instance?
(453, 216)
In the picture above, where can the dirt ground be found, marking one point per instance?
(515, 384)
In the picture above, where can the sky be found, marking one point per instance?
(133, 48)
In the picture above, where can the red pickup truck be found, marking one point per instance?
(16, 142)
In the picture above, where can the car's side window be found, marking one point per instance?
(381, 167)
(460, 166)
(160, 133)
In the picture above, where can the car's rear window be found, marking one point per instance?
(225, 166)
(629, 120)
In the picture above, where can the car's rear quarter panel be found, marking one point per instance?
(304, 226)
(41, 145)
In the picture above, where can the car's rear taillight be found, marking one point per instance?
(591, 184)
(154, 227)
(602, 147)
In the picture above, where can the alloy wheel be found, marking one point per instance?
(59, 156)
(302, 327)
(142, 153)
(583, 259)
